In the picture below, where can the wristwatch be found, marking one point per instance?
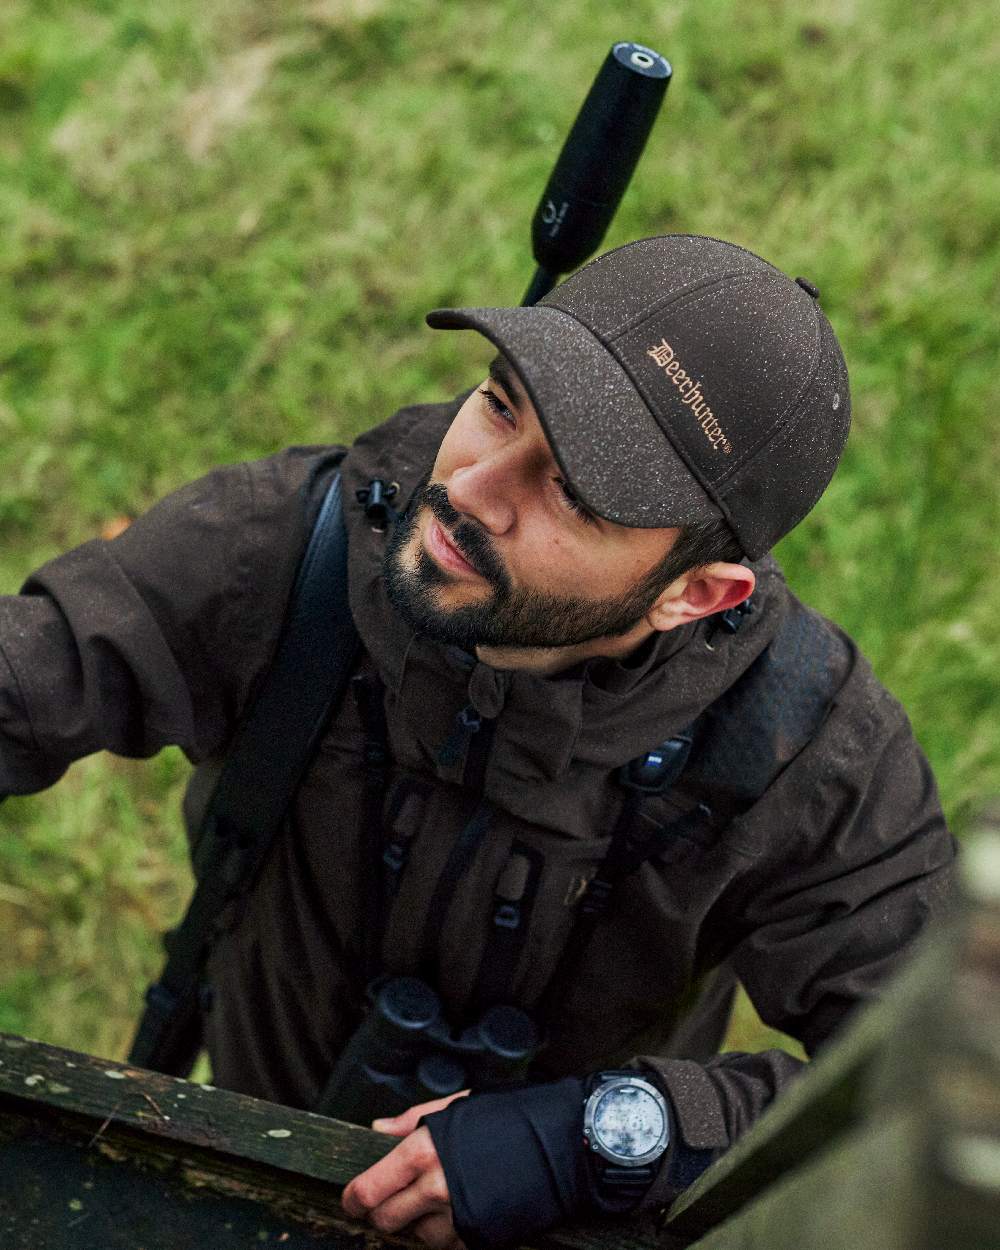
(626, 1129)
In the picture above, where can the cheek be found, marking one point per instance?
(565, 567)
(583, 569)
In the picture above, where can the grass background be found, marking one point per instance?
(221, 223)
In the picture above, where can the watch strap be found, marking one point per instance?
(625, 1181)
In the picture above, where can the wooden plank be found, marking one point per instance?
(186, 1164)
(861, 1194)
(173, 1110)
(824, 1102)
(902, 1180)
(945, 1059)
(102, 1154)
(61, 1190)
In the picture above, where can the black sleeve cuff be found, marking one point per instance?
(516, 1163)
(513, 1160)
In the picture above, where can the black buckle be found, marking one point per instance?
(507, 915)
(377, 498)
(395, 855)
(657, 770)
(596, 896)
(733, 618)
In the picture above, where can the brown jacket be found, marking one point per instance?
(811, 895)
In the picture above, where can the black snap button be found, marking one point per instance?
(808, 287)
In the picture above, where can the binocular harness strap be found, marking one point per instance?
(632, 843)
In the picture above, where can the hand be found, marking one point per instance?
(407, 1189)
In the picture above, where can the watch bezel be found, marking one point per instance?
(592, 1137)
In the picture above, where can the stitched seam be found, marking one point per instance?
(699, 288)
(782, 426)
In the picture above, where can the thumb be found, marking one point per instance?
(404, 1124)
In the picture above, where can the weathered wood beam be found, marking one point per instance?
(187, 1164)
(166, 1109)
(824, 1102)
(896, 1126)
(860, 1194)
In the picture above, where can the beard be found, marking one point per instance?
(508, 616)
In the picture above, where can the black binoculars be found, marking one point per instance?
(404, 1052)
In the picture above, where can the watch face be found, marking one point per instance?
(629, 1122)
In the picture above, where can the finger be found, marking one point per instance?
(406, 1122)
(400, 1167)
(438, 1232)
(427, 1196)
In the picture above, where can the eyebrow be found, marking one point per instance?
(502, 372)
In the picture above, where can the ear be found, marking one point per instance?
(701, 592)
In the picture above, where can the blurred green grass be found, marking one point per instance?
(222, 222)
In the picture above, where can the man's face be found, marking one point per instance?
(494, 549)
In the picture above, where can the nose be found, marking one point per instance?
(486, 491)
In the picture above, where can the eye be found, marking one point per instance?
(497, 406)
(570, 500)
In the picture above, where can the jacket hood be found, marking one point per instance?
(596, 715)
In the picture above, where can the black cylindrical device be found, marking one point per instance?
(508, 1042)
(374, 1074)
(596, 162)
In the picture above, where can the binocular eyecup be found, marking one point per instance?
(404, 1052)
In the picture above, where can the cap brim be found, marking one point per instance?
(615, 456)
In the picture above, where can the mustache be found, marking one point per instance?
(467, 535)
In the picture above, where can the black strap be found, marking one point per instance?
(317, 651)
(474, 734)
(271, 750)
(509, 920)
(462, 853)
(396, 850)
(369, 695)
(632, 843)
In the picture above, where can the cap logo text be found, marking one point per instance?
(690, 393)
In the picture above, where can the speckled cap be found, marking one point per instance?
(681, 378)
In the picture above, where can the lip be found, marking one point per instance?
(444, 552)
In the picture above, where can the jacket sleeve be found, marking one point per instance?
(157, 636)
(820, 925)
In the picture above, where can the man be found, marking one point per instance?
(577, 590)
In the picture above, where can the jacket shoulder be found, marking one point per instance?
(776, 707)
